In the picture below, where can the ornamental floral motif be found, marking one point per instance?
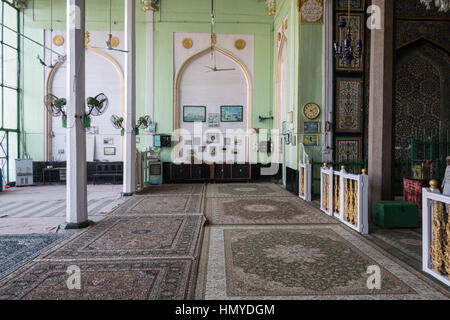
(152, 5)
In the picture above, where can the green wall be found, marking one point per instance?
(233, 16)
(97, 18)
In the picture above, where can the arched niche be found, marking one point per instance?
(105, 78)
(422, 79)
(197, 85)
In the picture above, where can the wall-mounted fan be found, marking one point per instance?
(117, 123)
(96, 107)
(57, 107)
(109, 45)
(142, 123)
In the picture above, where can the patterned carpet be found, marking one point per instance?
(146, 249)
(168, 189)
(403, 243)
(135, 237)
(17, 250)
(103, 280)
(263, 211)
(162, 205)
(305, 262)
(246, 190)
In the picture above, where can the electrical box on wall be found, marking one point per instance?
(24, 172)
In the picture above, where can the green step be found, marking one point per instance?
(395, 214)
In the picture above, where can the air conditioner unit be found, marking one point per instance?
(155, 174)
(24, 172)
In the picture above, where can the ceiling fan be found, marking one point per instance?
(109, 45)
(213, 43)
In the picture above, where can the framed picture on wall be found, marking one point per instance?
(311, 141)
(283, 127)
(311, 127)
(348, 149)
(213, 120)
(194, 114)
(349, 105)
(109, 151)
(232, 113)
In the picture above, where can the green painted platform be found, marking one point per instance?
(395, 214)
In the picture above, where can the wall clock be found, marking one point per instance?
(311, 111)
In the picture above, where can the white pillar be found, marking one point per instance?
(77, 214)
(129, 177)
(150, 54)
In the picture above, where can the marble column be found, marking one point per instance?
(381, 105)
(77, 214)
(129, 177)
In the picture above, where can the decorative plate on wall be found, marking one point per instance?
(187, 43)
(240, 44)
(58, 41)
(311, 110)
(114, 41)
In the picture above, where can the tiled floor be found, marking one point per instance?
(41, 209)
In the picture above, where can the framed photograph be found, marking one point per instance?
(151, 128)
(213, 120)
(108, 141)
(109, 151)
(287, 138)
(284, 128)
(232, 113)
(311, 127)
(194, 114)
(311, 141)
